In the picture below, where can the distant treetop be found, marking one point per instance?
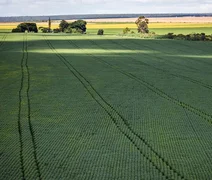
(142, 24)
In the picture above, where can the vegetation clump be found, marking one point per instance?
(68, 30)
(78, 26)
(44, 29)
(57, 30)
(126, 30)
(100, 32)
(63, 25)
(189, 37)
(23, 27)
(142, 24)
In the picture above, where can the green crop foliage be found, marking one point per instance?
(104, 107)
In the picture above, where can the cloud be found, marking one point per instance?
(51, 7)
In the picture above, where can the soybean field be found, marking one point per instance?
(84, 107)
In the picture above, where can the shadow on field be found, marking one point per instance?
(89, 42)
(187, 55)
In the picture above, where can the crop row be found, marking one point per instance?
(24, 98)
(156, 90)
(123, 125)
(170, 53)
(163, 70)
(19, 112)
(179, 65)
(202, 114)
(86, 52)
(193, 53)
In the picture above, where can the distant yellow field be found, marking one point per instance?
(118, 25)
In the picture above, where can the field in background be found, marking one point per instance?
(160, 26)
(104, 107)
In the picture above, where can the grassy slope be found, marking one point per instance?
(106, 108)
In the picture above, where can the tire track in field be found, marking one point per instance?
(24, 96)
(184, 66)
(194, 130)
(203, 62)
(191, 69)
(190, 58)
(3, 39)
(159, 92)
(163, 70)
(29, 115)
(145, 149)
(19, 113)
(207, 155)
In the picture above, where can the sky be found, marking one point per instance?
(68, 7)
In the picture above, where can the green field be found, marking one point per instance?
(158, 31)
(90, 107)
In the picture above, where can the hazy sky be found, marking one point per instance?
(63, 7)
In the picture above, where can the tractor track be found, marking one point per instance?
(121, 123)
(191, 69)
(29, 115)
(25, 76)
(159, 92)
(203, 62)
(3, 39)
(165, 71)
(19, 112)
(180, 50)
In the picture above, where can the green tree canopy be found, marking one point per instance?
(79, 25)
(29, 27)
(63, 25)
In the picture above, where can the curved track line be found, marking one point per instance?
(202, 114)
(29, 114)
(128, 133)
(19, 113)
(165, 71)
(189, 67)
(25, 68)
(3, 39)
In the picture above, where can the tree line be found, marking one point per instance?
(78, 26)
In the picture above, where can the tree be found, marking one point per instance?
(49, 24)
(79, 25)
(29, 27)
(100, 32)
(142, 24)
(63, 25)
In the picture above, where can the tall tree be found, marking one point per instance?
(142, 24)
(49, 23)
